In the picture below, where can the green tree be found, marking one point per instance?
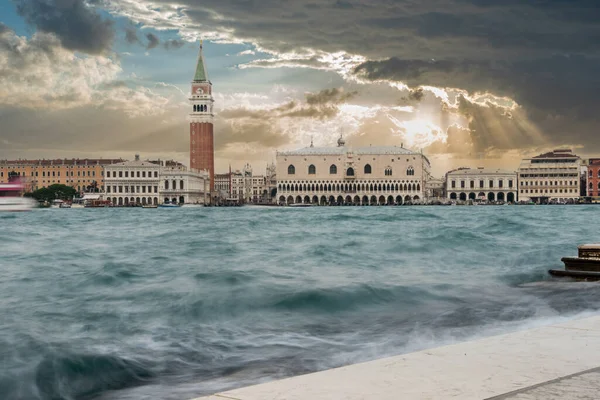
(54, 192)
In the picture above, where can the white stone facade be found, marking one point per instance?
(342, 175)
(553, 176)
(152, 182)
(482, 184)
(132, 182)
(178, 185)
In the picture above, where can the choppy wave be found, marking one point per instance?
(132, 304)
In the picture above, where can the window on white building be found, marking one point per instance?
(291, 170)
(367, 169)
(333, 169)
(312, 170)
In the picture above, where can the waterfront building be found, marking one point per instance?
(154, 182)
(343, 175)
(435, 189)
(178, 185)
(593, 178)
(223, 185)
(481, 184)
(201, 122)
(552, 176)
(81, 174)
(134, 181)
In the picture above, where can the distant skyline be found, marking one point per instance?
(469, 82)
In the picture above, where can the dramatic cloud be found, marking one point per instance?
(3, 28)
(40, 74)
(153, 41)
(77, 25)
(131, 36)
(543, 57)
(174, 44)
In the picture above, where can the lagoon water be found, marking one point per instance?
(177, 303)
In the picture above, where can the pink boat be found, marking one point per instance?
(11, 198)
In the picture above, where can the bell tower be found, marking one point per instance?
(202, 155)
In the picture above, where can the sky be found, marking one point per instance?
(468, 82)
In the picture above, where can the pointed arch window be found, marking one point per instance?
(367, 169)
(388, 171)
(410, 171)
(291, 170)
(312, 170)
(350, 172)
(333, 169)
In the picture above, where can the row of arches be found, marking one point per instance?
(125, 201)
(333, 170)
(200, 108)
(349, 187)
(491, 196)
(349, 200)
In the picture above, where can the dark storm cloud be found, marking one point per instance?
(4, 28)
(131, 36)
(173, 44)
(77, 25)
(153, 41)
(319, 105)
(545, 54)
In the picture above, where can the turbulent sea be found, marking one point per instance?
(179, 303)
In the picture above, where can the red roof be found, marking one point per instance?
(562, 153)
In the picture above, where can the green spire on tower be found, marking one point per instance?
(201, 75)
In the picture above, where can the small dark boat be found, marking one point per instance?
(586, 266)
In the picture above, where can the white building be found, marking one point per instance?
(132, 182)
(482, 184)
(553, 176)
(154, 182)
(343, 175)
(181, 186)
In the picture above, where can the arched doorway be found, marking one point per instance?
(365, 201)
(398, 200)
(281, 199)
(491, 197)
(331, 200)
(453, 196)
(472, 196)
(290, 200)
(356, 201)
(407, 199)
(120, 201)
(373, 201)
(315, 200)
(501, 196)
(306, 200)
(323, 200)
(143, 201)
(181, 200)
(340, 201)
(348, 201)
(156, 201)
(126, 201)
(381, 200)
(463, 196)
(298, 200)
(510, 197)
(390, 200)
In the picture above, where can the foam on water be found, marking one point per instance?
(173, 304)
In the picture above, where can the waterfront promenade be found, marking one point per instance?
(560, 361)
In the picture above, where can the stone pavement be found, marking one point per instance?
(552, 362)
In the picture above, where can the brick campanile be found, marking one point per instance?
(202, 150)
